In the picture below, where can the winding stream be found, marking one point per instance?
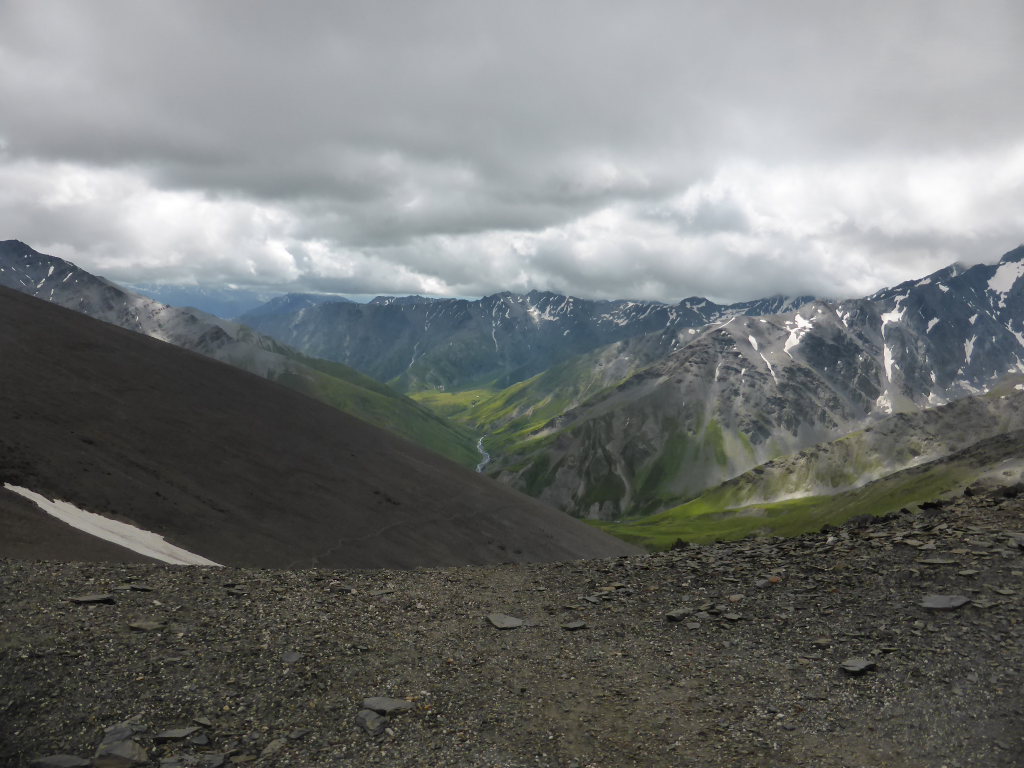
(485, 457)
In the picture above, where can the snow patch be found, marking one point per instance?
(1004, 278)
(797, 328)
(887, 360)
(969, 349)
(943, 288)
(770, 369)
(1019, 387)
(896, 315)
(972, 318)
(931, 324)
(753, 343)
(128, 536)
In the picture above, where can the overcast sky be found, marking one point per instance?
(605, 149)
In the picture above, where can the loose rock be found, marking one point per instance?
(371, 722)
(501, 621)
(385, 705)
(944, 602)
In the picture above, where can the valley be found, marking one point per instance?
(632, 413)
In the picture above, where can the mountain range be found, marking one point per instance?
(416, 343)
(229, 466)
(662, 402)
(625, 409)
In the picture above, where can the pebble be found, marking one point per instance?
(572, 626)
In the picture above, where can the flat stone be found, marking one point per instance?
(120, 754)
(298, 733)
(203, 721)
(857, 665)
(678, 614)
(385, 705)
(731, 616)
(371, 722)
(936, 561)
(273, 747)
(60, 761)
(93, 597)
(146, 625)
(173, 734)
(290, 657)
(212, 760)
(944, 602)
(501, 621)
(572, 626)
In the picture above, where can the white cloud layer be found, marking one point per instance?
(661, 150)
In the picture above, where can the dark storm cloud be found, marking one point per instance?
(469, 147)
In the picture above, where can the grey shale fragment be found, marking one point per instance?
(371, 722)
(857, 665)
(60, 761)
(385, 705)
(501, 621)
(944, 602)
(93, 597)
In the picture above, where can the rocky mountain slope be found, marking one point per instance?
(230, 466)
(739, 393)
(894, 645)
(65, 284)
(417, 343)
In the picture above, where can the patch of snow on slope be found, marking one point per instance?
(1019, 387)
(896, 315)
(972, 318)
(128, 536)
(797, 328)
(1019, 336)
(1005, 278)
(753, 343)
(943, 288)
(931, 324)
(887, 360)
(770, 369)
(969, 349)
(883, 403)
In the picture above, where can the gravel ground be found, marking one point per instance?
(230, 666)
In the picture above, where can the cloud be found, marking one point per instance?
(728, 149)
